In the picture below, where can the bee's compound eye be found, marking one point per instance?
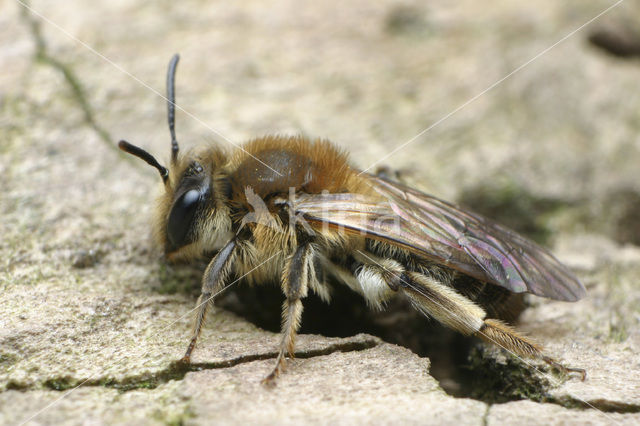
(181, 217)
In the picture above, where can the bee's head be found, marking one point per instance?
(192, 215)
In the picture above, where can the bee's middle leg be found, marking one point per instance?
(295, 283)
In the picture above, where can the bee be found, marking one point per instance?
(295, 210)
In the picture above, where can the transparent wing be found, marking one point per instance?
(444, 233)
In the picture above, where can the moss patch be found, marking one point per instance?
(497, 379)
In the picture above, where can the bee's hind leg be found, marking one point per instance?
(295, 282)
(505, 336)
(456, 311)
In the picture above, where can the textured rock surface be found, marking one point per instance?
(85, 299)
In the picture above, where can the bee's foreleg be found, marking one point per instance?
(458, 312)
(295, 283)
(213, 281)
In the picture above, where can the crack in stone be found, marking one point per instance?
(485, 416)
(496, 381)
(572, 403)
(600, 404)
(177, 370)
(42, 55)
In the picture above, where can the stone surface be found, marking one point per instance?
(344, 388)
(527, 412)
(85, 298)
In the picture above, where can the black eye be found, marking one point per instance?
(181, 218)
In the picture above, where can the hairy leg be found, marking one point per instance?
(456, 311)
(295, 283)
(213, 281)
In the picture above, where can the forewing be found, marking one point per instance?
(444, 233)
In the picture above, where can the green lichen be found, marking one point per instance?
(181, 279)
(407, 20)
(618, 332)
(8, 359)
(176, 418)
(78, 93)
(61, 383)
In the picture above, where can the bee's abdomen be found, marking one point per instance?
(497, 301)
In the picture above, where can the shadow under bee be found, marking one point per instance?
(460, 364)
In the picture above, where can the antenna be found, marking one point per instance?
(144, 155)
(171, 106)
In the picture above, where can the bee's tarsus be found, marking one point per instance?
(564, 369)
(281, 365)
(270, 380)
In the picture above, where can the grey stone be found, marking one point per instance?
(85, 298)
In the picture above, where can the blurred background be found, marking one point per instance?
(514, 109)
(371, 78)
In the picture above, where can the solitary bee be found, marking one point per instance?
(294, 210)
